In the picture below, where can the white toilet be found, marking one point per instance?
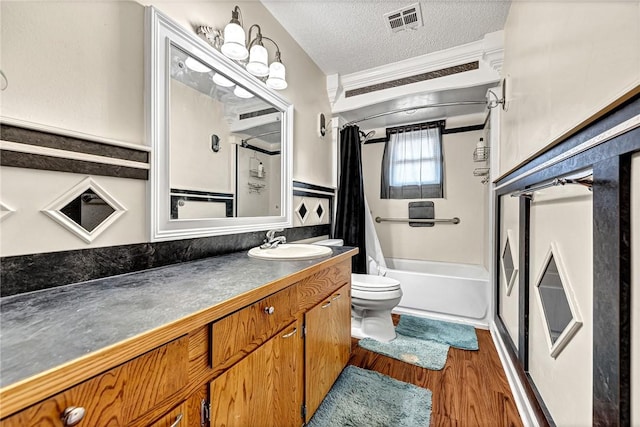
(372, 299)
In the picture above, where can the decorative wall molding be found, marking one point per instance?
(53, 210)
(576, 319)
(41, 148)
(5, 211)
(488, 52)
(508, 280)
(46, 129)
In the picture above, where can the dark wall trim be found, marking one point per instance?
(300, 184)
(414, 79)
(523, 281)
(37, 161)
(67, 143)
(612, 292)
(34, 272)
(463, 129)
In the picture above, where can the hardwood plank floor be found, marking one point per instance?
(471, 389)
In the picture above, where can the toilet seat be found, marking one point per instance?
(371, 283)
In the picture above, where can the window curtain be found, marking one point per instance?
(412, 166)
(350, 214)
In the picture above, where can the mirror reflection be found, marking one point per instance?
(88, 210)
(224, 145)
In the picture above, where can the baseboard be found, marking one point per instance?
(523, 404)
(446, 317)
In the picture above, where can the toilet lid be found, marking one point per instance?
(371, 283)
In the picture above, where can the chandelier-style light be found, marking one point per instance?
(235, 47)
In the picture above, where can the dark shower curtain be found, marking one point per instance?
(350, 205)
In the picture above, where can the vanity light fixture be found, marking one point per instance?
(234, 46)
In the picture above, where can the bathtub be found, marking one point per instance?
(455, 292)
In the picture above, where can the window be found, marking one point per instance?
(412, 162)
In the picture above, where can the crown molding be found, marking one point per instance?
(489, 48)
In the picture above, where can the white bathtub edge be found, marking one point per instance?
(438, 316)
(525, 409)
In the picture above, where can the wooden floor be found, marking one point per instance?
(471, 389)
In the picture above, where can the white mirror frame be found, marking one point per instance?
(160, 33)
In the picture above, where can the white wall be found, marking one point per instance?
(563, 216)
(79, 66)
(509, 304)
(260, 202)
(75, 65)
(565, 61)
(465, 197)
(635, 290)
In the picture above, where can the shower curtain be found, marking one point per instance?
(350, 209)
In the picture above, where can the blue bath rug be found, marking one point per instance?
(454, 334)
(416, 351)
(362, 398)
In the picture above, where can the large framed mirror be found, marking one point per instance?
(221, 160)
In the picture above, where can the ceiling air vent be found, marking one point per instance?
(409, 17)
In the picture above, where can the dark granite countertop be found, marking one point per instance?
(45, 329)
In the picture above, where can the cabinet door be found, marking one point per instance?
(265, 388)
(327, 345)
(176, 418)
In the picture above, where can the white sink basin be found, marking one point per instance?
(294, 251)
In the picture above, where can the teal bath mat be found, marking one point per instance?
(362, 398)
(416, 351)
(454, 334)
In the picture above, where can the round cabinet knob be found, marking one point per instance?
(72, 415)
(269, 310)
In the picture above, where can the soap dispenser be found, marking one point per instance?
(260, 170)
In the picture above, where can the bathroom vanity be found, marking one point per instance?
(226, 340)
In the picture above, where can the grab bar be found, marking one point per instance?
(454, 220)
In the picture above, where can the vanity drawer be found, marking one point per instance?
(315, 288)
(238, 334)
(117, 396)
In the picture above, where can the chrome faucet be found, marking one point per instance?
(272, 241)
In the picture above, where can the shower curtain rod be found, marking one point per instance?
(244, 141)
(402, 110)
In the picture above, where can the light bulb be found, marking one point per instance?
(233, 46)
(276, 78)
(220, 80)
(258, 61)
(195, 65)
(241, 92)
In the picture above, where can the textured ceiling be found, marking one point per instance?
(348, 36)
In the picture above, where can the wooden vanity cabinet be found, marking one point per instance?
(118, 396)
(264, 389)
(269, 363)
(327, 345)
